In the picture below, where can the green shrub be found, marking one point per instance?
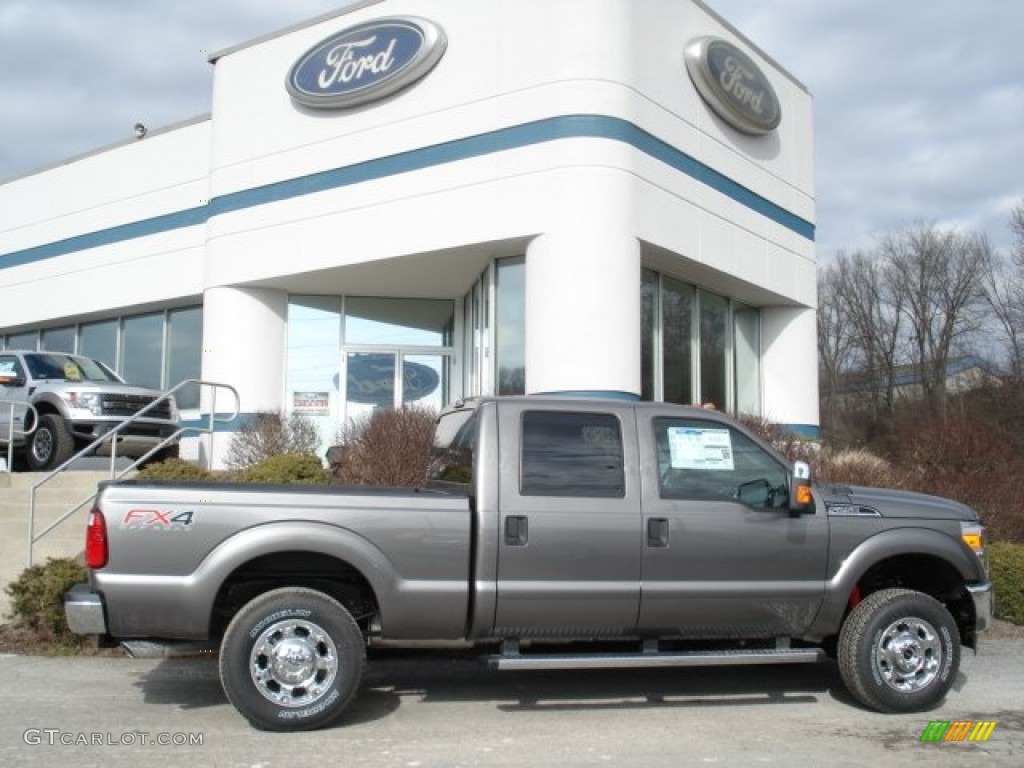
(37, 600)
(287, 468)
(174, 469)
(1006, 564)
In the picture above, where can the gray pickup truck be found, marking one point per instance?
(554, 534)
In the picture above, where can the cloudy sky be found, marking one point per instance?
(919, 104)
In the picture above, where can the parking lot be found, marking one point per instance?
(442, 709)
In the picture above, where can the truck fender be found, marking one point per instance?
(882, 546)
(295, 536)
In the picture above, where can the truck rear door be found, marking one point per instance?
(569, 535)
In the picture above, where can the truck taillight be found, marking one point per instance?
(96, 540)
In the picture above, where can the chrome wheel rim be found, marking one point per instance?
(909, 655)
(293, 663)
(42, 445)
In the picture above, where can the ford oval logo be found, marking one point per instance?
(366, 62)
(371, 380)
(733, 85)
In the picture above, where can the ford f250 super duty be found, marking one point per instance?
(557, 534)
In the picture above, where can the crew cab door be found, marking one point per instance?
(723, 556)
(569, 506)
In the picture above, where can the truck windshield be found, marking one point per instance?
(451, 456)
(53, 365)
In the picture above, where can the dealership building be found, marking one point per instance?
(413, 202)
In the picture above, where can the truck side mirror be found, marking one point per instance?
(801, 500)
(12, 380)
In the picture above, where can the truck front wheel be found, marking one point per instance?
(291, 660)
(899, 651)
(50, 445)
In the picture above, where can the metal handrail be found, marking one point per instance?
(212, 422)
(11, 404)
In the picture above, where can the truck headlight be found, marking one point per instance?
(84, 401)
(973, 535)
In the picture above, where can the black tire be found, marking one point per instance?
(50, 445)
(291, 660)
(899, 651)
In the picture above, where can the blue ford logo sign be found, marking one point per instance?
(733, 85)
(371, 380)
(366, 62)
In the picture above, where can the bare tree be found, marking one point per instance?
(874, 307)
(940, 273)
(1004, 288)
(835, 341)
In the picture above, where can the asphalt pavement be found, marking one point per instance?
(445, 709)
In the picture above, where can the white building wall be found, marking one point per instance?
(553, 128)
(62, 232)
(244, 340)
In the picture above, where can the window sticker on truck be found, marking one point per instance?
(693, 448)
(156, 519)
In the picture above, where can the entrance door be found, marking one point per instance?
(391, 379)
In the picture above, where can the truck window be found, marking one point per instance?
(571, 454)
(700, 459)
(451, 456)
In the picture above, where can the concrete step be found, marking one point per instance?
(73, 479)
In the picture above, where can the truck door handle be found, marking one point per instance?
(517, 530)
(657, 532)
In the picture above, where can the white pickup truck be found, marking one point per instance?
(77, 400)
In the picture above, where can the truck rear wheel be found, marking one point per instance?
(291, 660)
(899, 651)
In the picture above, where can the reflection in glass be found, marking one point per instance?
(648, 308)
(398, 322)
(510, 326)
(677, 341)
(59, 339)
(314, 357)
(99, 341)
(184, 353)
(142, 346)
(714, 314)
(423, 381)
(23, 340)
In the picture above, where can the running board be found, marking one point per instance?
(654, 660)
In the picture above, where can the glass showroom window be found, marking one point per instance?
(184, 353)
(27, 340)
(142, 347)
(510, 326)
(59, 339)
(677, 336)
(314, 353)
(714, 346)
(495, 318)
(348, 356)
(697, 346)
(99, 341)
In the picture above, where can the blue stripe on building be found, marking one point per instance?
(513, 137)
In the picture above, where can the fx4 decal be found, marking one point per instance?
(158, 519)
